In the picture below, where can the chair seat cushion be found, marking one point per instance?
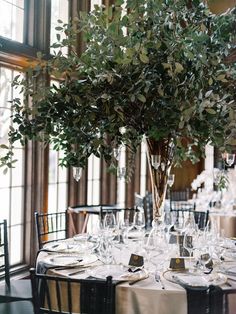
(20, 290)
(19, 307)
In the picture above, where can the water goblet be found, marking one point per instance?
(110, 225)
(139, 220)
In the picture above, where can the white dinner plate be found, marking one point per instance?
(68, 246)
(70, 260)
(228, 269)
(194, 279)
(118, 272)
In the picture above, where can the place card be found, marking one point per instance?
(177, 263)
(136, 260)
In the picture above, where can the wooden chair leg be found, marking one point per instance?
(85, 223)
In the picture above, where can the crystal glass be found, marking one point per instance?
(139, 220)
(156, 161)
(179, 220)
(77, 172)
(230, 159)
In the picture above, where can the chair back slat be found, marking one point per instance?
(58, 292)
(95, 296)
(201, 218)
(51, 227)
(69, 294)
(4, 253)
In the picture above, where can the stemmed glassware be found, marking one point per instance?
(108, 234)
(189, 242)
(139, 224)
(109, 224)
(179, 221)
(139, 220)
(168, 222)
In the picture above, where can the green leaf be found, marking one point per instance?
(58, 28)
(210, 81)
(178, 67)
(210, 110)
(141, 97)
(4, 146)
(181, 124)
(167, 65)
(144, 58)
(132, 98)
(221, 77)
(208, 93)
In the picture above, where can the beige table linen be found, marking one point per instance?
(225, 222)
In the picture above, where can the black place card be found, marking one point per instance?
(136, 260)
(177, 263)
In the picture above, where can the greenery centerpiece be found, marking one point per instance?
(151, 68)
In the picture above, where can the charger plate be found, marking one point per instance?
(195, 279)
(118, 272)
(70, 260)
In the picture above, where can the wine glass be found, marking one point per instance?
(168, 222)
(110, 225)
(139, 223)
(139, 220)
(179, 220)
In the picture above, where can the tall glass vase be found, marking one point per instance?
(160, 159)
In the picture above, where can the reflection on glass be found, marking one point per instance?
(57, 195)
(16, 244)
(93, 180)
(59, 11)
(16, 201)
(11, 184)
(95, 2)
(5, 199)
(12, 19)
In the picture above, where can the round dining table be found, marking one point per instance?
(139, 293)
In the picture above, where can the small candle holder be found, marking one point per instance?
(77, 172)
(156, 161)
(121, 172)
(229, 159)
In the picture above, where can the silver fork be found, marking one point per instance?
(158, 279)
